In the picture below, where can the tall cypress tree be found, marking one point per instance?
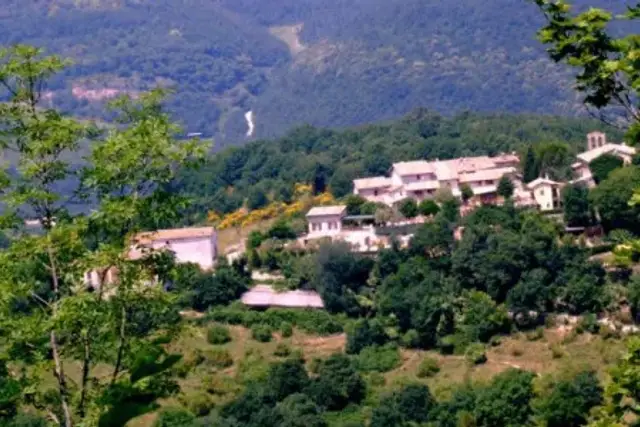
(530, 167)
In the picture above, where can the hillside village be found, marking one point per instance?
(418, 181)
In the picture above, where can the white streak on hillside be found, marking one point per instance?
(248, 116)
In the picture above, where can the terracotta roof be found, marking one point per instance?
(447, 170)
(540, 181)
(590, 155)
(174, 234)
(374, 182)
(327, 210)
(266, 296)
(414, 168)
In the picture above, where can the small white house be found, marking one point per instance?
(546, 193)
(326, 220)
(198, 245)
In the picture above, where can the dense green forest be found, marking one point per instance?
(333, 158)
(360, 61)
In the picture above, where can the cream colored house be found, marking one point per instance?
(421, 179)
(325, 221)
(546, 193)
(197, 245)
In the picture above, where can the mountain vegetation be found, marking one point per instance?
(326, 63)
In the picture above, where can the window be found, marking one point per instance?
(375, 192)
(541, 192)
(315, 226)
(418, 177)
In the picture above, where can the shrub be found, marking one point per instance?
(447, 344)
(286, 329)
(365, 333)
(255, 239)
(174, 417)
(317, 322)
(408, 208)
(609, 332)
(281, 230)
(517, 351)
(495, 341)
(428, 207)
(588, 323)
(218, 358)
(253, 367)
(27, 419)
(220, 385)
(557, 352)
(378, 358)
(376, 379)
(261, 333)
(282, 350)
(428, 368)
(535, 335)
(410, 339)
(190, 360)
(199, 403)
(218, 334)
(314, 365)
(570, 337)
(475, 354)
(454, 344)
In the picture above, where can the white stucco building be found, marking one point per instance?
(421, 179)
(547, 193)
(198, 245)
(326, 220)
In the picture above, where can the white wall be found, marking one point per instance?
(543, 194)
(322, 225)
(198, 250)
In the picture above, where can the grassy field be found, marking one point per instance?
(553, 354)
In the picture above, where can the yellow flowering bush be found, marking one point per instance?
(303, 201)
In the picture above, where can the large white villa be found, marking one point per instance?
(421, 179)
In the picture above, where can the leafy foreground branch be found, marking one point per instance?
(50, 319)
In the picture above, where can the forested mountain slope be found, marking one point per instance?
(323, 62)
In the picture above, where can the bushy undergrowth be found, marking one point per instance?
(311, 321)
